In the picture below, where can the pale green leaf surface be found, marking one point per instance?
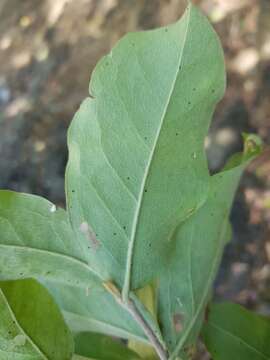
(232, 332)
(136, 166)
(93, 309)
(186, 285)
(39, 243)
(102, 347)
(31, 325)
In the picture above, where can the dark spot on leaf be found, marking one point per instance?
(128, 178)
(73, 190)
(145, 138)
(189, 102)
(145, 190)
(213, 91)
(206, 314)
(124, 227)
(176, 134)
(166, 30)
(114, 233)
(194, 89)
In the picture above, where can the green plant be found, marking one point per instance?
(136, 252)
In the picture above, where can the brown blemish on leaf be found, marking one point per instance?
(89, 234)
(111, 287)
(178, 322)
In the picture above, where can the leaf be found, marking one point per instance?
(137, 168)
(102, 347)
(93, 309)
(200, 242)
(39, 243)
(186, 285)
(232, 332)
(31, 327)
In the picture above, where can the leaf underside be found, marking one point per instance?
(136, 147)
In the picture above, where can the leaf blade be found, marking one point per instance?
(24, 305)
(101, 347)
(131, 139)
(244, 334)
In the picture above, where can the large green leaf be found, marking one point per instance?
(101, 347)
(137, 168)
(31, 325)
(37, 241)
(232, 332)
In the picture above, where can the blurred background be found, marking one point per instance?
(48, 49)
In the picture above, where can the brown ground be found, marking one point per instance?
(48, 49)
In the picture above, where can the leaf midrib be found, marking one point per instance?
(130, 251)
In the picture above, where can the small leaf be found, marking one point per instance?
(31, 326)
(102, 347)
(199, 246)
(232, 332)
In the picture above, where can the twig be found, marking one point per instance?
(131, 307)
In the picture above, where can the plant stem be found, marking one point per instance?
(131, 307)
(133, 310)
